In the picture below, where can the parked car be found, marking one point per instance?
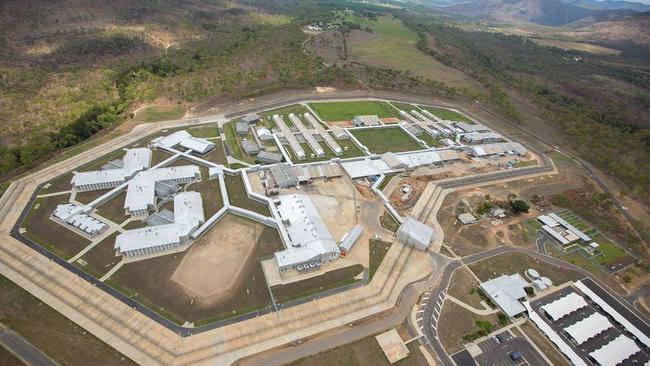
(516, 356)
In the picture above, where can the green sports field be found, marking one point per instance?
(381, 140)
(345, 111)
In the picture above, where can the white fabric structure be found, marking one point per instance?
(615, 352)
(564, 306)
(566, 349)
(588, 328)
(505, 291)
(393, 161)
(414, 233)
(75, 216)
(311, 141)
(141, 191)
(643, 338)
(310, 240)
(188, 216)
(288, 135)
(134, 161)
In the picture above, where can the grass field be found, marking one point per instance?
(388, 222)
(211, 130)
(238, 197)
(345, 111)
(430, 140)
(48, 330)
(576, 46)
(404, 106)
(447, 114)
(311, 286)
(284, 111)
(510, 263)
(364, 352)
(392, 45)
(381, 140)
(113, 209)
(378, 250)
(49, 234)
(159, 113)
(233, 142)
(101, 258)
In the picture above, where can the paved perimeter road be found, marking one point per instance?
(23, 349)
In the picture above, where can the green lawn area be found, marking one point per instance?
(404, 106)
(386, 180)
(159, 113)
(211, 130)
(351, 152)
(447, 114)
(608, 251)
(381, 140)
(284, 111)
(345, 111)
(430, 140)
(233, 142)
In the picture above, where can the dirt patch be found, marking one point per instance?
(510, 263)
(226, 247)
(455, 322)
(238, 196)
(217, 155)
(464, 287)
(59, 184)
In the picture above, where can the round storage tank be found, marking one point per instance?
(532, 273)
(547, 281)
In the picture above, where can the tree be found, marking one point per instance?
(627, 279)
(519, 206)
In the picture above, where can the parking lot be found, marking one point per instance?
(497, 352)
(591, 344)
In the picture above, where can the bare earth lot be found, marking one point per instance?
(155, 282)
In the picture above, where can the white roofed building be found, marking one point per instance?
(73, 215)
(310, 242)
(349, 238)
(184, 139)
(468, 127)
(134, 161)
(500, 148)
(506, 291)
(141, 191)
(414, 233)
(188, 216)
(482, 137)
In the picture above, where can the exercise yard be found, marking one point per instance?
(345, 111)
(218, 277)
(381, 140)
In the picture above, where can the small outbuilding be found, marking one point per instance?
(414, 233)
(251, 119)
(242, 128)
(349, 238)
(370, 120)
(250, 147)
(466, 218)
(268, 157)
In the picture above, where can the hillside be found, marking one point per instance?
(543, 12)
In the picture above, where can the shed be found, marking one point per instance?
(370, 120)
(250, 147)
(393, 161)
(242, 128)
(466, 218)
(349, 238)
(414, 233)
(269, 157)
(251, 119)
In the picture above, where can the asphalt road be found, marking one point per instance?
(23, 349)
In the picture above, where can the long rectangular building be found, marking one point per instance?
(310, 242)
(291, 139)
(135, 160)
(588, 328)
(141, 191)
(311, 141)
(336, 148)
(564, 306)
(188, 216)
